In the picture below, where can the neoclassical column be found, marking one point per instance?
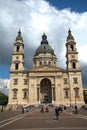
(38, 92)
(53, 93)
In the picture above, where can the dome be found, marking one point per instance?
(44, 47)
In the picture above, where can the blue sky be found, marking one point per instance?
(74, 5)
(54, 17)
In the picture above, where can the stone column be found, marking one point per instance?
(53, 94)
(38, 93)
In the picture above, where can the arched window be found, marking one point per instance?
(16, 66)
(18, 48)
(25, 93)
(15, 92)
(40, 63)
(76, 92)
(66, 91)
(74, 65)
(71, 47)
(49, 63)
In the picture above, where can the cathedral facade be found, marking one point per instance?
(45, 82)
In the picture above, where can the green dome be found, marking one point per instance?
(44, 47)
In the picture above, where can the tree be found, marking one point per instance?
(85, 97)
(3, 100)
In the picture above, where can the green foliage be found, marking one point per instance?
(3, 99)
(85, 97)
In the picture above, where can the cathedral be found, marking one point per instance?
(45, 82)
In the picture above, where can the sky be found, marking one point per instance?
(33, 18)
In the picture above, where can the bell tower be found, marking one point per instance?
(73, 71)
(18, 54)
(71, 54)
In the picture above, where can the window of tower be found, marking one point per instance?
(17, 57)
(76, 92)
(44, 47)
(15, 93)
(49, 63)
(16, 66)
(18, 48)
(65, 81)
(45, 63)
(25, 93)
(75, 80)
(15, 81)
(40, 63)
(74, 65)
(25, 81)
(71, 47)
(66, 90)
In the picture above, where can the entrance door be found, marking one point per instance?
(46, 98)
(45, 91)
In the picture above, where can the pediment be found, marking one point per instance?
(49, 69)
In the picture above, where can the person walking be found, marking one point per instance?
(22, 110)
(57, 112)
(76, 109)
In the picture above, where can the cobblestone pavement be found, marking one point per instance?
(34, 120)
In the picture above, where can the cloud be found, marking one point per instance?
(4, 85)
(34, 18)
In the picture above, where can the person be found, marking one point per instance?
(57, 112)
(76, 109)
(9, 108)
(22, 110)
(42, 110)
(60, 109)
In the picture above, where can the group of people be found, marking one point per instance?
(44, 109)
(59, 110)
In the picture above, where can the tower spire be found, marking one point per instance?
(19, 37)
(70, 37)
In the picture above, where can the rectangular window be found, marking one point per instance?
(25, 81)
(66, 92)
(15, 81)
(65, 81)
(14, 94)
(75, 80)
(76, 93)
(25, 94)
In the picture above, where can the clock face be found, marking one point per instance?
(73, 56)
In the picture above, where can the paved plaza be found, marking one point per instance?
(35, 120)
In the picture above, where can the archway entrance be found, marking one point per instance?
(45, 91)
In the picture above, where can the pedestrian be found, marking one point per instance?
(76, 109)
(57, 112)
(22, 110)
(42, 110)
